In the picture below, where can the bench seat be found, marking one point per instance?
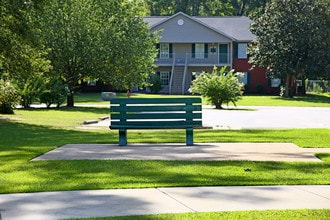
(155, 113)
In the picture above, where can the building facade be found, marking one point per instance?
(194, 44)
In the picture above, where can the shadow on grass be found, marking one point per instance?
(233, 109)
(100, 110)
(35, 139)
(96, 174)
(22, 142)
(312, 98)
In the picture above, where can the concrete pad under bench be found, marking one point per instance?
(202, 151)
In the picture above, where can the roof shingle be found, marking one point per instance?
(237, 27)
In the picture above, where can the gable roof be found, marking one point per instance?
(234, 27)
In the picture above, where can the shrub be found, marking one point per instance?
(31, 89)
(156, 84)
(317, 88)
(55, 93)
(8, 97)
(219, 87)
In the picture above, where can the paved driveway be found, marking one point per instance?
(267, 117)
(258, 117)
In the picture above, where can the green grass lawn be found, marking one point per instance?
(247, 215)
(29, 133)
(311, 100)
(25, 138)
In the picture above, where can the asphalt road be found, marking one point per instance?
(267, 117)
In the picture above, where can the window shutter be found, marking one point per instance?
(193, 50)
(206, 51)
(171, 50)
(248, 78)
(158, 50)
(269, 81)
(235, 50)
(223, 53)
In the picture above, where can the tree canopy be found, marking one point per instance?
(20, 55)
(204, 7)
(98, 40)
(69, 41)
(293, 40)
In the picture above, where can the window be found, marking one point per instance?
(242, 51)
(223, 53)
(199, 51)
(275, 82)
(244, 78)
(164, 77)
(164, 50)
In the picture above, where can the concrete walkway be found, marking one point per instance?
(122, 202)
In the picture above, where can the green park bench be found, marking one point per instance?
(155, 113)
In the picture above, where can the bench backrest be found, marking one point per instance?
(155, 112)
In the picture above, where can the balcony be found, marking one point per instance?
(194, 59)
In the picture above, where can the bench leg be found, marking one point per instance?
(122, 137)
(189, 136)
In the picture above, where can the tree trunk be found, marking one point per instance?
(289, 87)
(70, 100)
(303, 88)
(218, 104)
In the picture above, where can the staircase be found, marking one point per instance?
(177, 80)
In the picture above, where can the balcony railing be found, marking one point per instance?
(194, 59)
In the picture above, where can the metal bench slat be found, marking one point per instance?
(149, 115)
(143, 108)
(155, 124)
(154, 100)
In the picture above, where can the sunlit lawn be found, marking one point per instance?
(29, 133)
(23, 142)
(311, 100)
(247, 215)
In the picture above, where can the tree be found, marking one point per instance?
(22, 58)
(219, 87)
(96, 39)
(190, 7)
(17, 39)
(292, 40)
(54, 92)
(248, 7)
(155, 84)
(204, 7)
(127, 47)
